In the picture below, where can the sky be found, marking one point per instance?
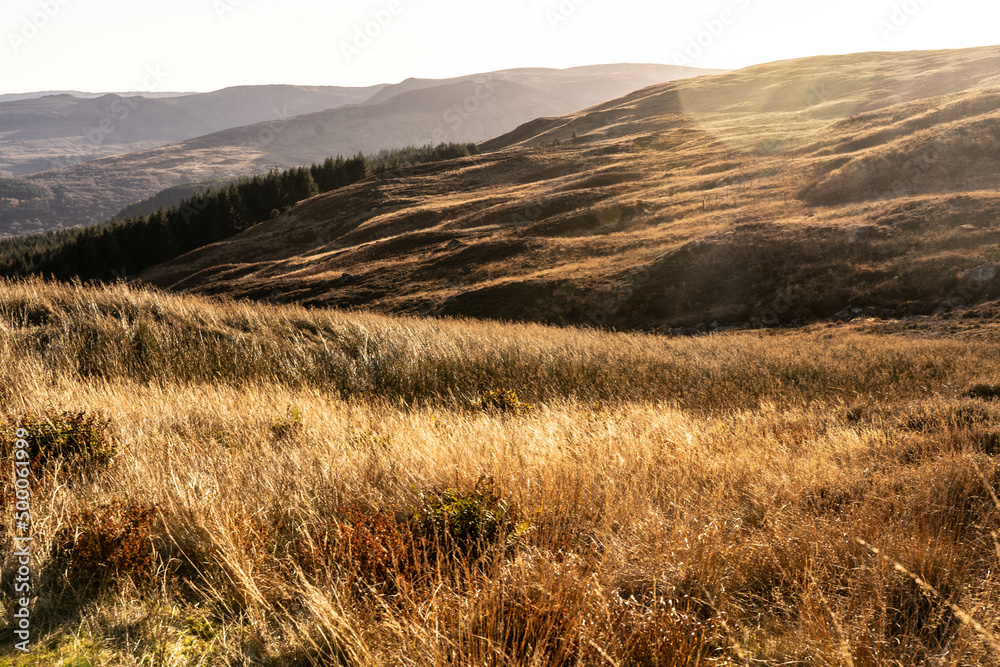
(202, 45)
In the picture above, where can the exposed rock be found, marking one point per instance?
(983, 273)
(844, 315)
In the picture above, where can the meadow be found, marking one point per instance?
(227, 483)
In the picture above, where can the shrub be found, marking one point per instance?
(288, 425)
(369, 545)
(108, 542)
(366, 441)
(662, 632)
(504, 401)
(78, 436)
(467, 521)
(378, 546)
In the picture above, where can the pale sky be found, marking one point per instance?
(201, 45)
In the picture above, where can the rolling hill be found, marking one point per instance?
(33, 95)
(470, 108)
(51, 131)
(846, 186)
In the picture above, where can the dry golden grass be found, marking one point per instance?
(309, 487)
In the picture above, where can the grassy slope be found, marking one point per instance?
(674, 501)
(777, 194)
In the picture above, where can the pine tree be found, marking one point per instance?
(357, 168)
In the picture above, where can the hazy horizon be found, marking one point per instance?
(205, 45)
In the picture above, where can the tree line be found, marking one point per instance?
(18, 196)
(118, 248)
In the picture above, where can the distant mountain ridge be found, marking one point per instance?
(41, 133)
(535, 76)
(463, 109)
(13, 97)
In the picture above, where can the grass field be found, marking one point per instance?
(220, 483)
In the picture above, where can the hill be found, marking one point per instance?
(165, 199)
(228, 483)
(12, 97)
(861, 185)
(51, 131)
(468, 109)
(595, 80)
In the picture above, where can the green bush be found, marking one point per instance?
(78, 436)
(468, 521)
(504, 401)
(288, 425)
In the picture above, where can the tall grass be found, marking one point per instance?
(114, 332)
(309, 487)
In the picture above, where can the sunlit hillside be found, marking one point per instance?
(779, 194)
